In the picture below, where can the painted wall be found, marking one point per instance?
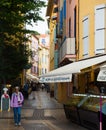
(87, 24)
(34, 48)
(71, 5)
(87, 8)
(52, 27)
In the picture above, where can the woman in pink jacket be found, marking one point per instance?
(16, 103)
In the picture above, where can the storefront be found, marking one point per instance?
(82, 107)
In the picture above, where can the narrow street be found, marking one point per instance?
(43, 113)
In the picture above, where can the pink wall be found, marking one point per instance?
(70, 5)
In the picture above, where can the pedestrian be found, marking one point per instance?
(26, 87)
(34, 89)
(42, 86)
(47, 88)
(16, 103)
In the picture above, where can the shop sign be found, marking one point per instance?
(102, 75)
(61, 78)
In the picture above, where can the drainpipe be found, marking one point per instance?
(78, 31)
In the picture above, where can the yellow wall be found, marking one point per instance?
(87, 8)
(52, 26)
(62, 92)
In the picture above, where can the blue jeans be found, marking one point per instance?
(17, 114)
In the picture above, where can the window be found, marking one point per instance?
(64, 9)
(61, 19)
(42, 70)
(70, 1)
(75, 22)
(35, 69)
(45, 70)
(43, 41)
(70, 27)
(100, 28)
(55, 10)
(43, 58)
(55, 35)
(85, 37)
(56, 59)
(32, 69)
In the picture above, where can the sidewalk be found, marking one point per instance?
(43, 113)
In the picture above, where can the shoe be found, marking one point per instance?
(16, 124)
(19, 124)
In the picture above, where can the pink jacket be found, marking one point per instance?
(14, 100)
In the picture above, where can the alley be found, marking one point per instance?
(43, 113)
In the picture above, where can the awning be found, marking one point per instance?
(74, 67)
(102, 74)
(32, 77)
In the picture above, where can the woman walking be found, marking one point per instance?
(16, 103)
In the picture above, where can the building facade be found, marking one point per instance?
(43, 54)
(67, 42)
(81, 45)
(80, 36)
(33, 72)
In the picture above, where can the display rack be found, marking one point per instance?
(83, 109)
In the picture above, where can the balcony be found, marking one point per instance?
(67, 50)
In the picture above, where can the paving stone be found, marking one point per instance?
(38, 114)
(35, 126)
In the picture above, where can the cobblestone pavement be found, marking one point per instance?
(43, 113)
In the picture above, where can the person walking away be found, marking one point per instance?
(42, 86)
(16, 103)
(26, 87)
(34, 89)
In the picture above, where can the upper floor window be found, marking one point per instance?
(55, 10)
(100, 28)
(61, 19)
(43, 41)
(85, 37)
(70, 27)
(64, 8)
(75, 22)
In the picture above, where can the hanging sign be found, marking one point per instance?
(102, 75)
